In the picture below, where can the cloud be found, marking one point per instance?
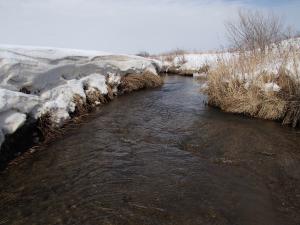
(123, 26)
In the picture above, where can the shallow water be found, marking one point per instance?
(159, 156)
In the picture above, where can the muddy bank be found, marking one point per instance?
(37, 131)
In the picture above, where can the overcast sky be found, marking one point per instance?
(128, 26)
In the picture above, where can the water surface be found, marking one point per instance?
(158, 157)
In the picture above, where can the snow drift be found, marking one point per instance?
(36, 81)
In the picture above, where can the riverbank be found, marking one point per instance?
(42, 89)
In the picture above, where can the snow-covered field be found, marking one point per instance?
(35, 81)
(197, 61)
(194, 62)
(189, 63)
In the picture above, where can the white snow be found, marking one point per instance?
(271, 86)
(113, 79)
(13, 109)
(96, 81)
(59, 101)
(194, 61)
(46, 52)
(53, 77)
(16, 100)
(10, 121)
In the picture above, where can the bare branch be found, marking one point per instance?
(254, 30)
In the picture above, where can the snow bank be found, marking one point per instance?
(14, 107)
(35, 81)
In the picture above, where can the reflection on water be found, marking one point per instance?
(159, 157)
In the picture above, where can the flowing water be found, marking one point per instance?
(158, 157)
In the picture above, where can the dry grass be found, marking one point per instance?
(204, 69)
(81, 106)
(133, 82)
(237, 85)
(94, 98)
(46, 129)
(110, 94)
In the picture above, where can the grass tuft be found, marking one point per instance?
(133, 82)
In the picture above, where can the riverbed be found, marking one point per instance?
(159, 156)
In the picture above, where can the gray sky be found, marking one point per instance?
(128, 26)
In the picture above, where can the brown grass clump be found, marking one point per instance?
(290, 92)
(292, 115)
(81, 107)
(235, 97)
(110, 93)
(237, 85)
(94, 98)
(46, 129)
(133, 82)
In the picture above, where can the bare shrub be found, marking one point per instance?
(180, 56)
(169, 58)
(254, 30)
(176, 56)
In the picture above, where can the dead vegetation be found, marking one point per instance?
(46, 129)
(133, 82)
(255, 30)
(238, 85)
